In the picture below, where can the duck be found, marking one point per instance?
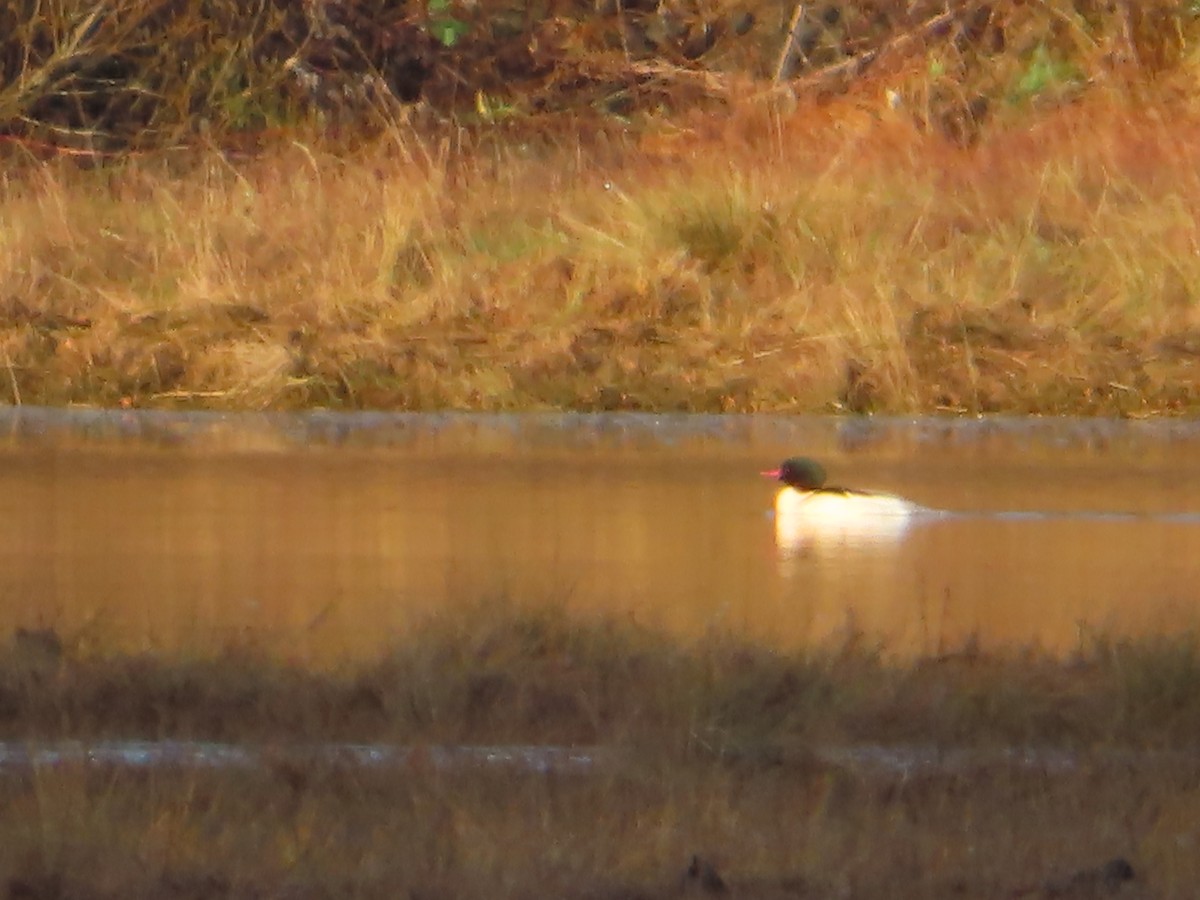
(807, 509)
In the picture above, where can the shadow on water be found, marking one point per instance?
(330, 533)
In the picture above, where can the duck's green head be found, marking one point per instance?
(801, 473)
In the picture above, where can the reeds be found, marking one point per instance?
(714, 753)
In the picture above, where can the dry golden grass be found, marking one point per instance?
(712, 757)
(488, 674)
(782, 832)
(828, 258)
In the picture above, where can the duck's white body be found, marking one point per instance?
(808, 516)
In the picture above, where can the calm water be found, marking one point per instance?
(332, 534)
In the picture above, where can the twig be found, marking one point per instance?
(719, 85)
(189, 395)
(12, 378)
(856, 65)
(788, 52)
(714, 83)
(623, 28)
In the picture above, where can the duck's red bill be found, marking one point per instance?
(773, 473)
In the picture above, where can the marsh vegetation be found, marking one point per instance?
(995, 214)
(712, 751)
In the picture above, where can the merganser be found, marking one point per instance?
(808, 509)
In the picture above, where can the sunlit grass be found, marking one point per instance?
(771, 263)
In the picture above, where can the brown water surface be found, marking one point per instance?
(328, 536)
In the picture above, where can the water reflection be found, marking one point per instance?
(330, 540)
(898, 760)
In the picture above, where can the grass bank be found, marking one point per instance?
(827, 257)
(884, 206)
(495, 675)
(713, 745)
